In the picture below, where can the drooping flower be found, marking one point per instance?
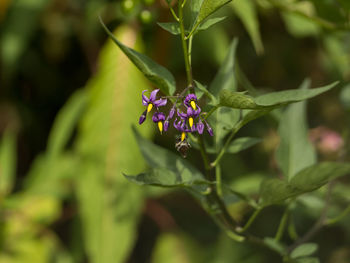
(191, 101)
(192, 114)
(200, 127)
(150, 103)
(209, 129)
(182, 127)
(159, 118)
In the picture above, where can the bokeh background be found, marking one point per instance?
(68, 99)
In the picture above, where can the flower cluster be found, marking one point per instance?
(188, 119)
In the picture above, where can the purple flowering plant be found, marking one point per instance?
(208, 120)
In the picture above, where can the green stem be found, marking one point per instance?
(192, 31)
(184, 46)
(211, 112)
(174, 14)
(282, 225)
(250, 221)
(218, 180)
(339, 217)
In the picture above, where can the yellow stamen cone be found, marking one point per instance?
(190, 121)
(193, 104)
(160, 126)
(183, 136)
(149, 107)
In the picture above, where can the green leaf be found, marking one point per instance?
(169, 167)
(237, 100)
(210, 22)
(172, 27)
(274, 191)
(207, 8)
(304, 250)
(241, 144)
(317, 175)
(156, 73)
(109, 205)
(246, 11)
(7, 162)
(65, 123)
(294, 139)
(290, 96)
(308, 260)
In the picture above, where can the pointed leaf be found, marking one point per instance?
(241, 144)
(210, 22)
(274, 191)
(289, 96)
(294, 139)
(156, 73)
(208, 7)
(110, 206)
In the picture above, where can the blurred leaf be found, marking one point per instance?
(294, 139)
(17, 30)
(274, 191)
(308, 260)
(207, 8)
(300, 26)
(345, 96)
(237, 100)
(169, 248)
(242, 143)
(65, 123)
(156, 73)
(52, 176)
(290, 96)
(304, 250)
(8, 158)
(274, 245)
(246, 11)
(109, 205)
(317, 175)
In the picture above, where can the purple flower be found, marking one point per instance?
(191, 114)
(200, 127)
(209, 129)
(150, 102)
(159, 118)
(171, 113)
(190, 101)
(182, 127)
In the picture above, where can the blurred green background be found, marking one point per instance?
(68, 98)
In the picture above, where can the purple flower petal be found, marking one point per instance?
(166, 125)
(155, 117)
(145, 100)
(158, 116)
(160, 102)
(143, 117)
(181, 115)
(153, 95)
(200, 127)
(171, 113)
